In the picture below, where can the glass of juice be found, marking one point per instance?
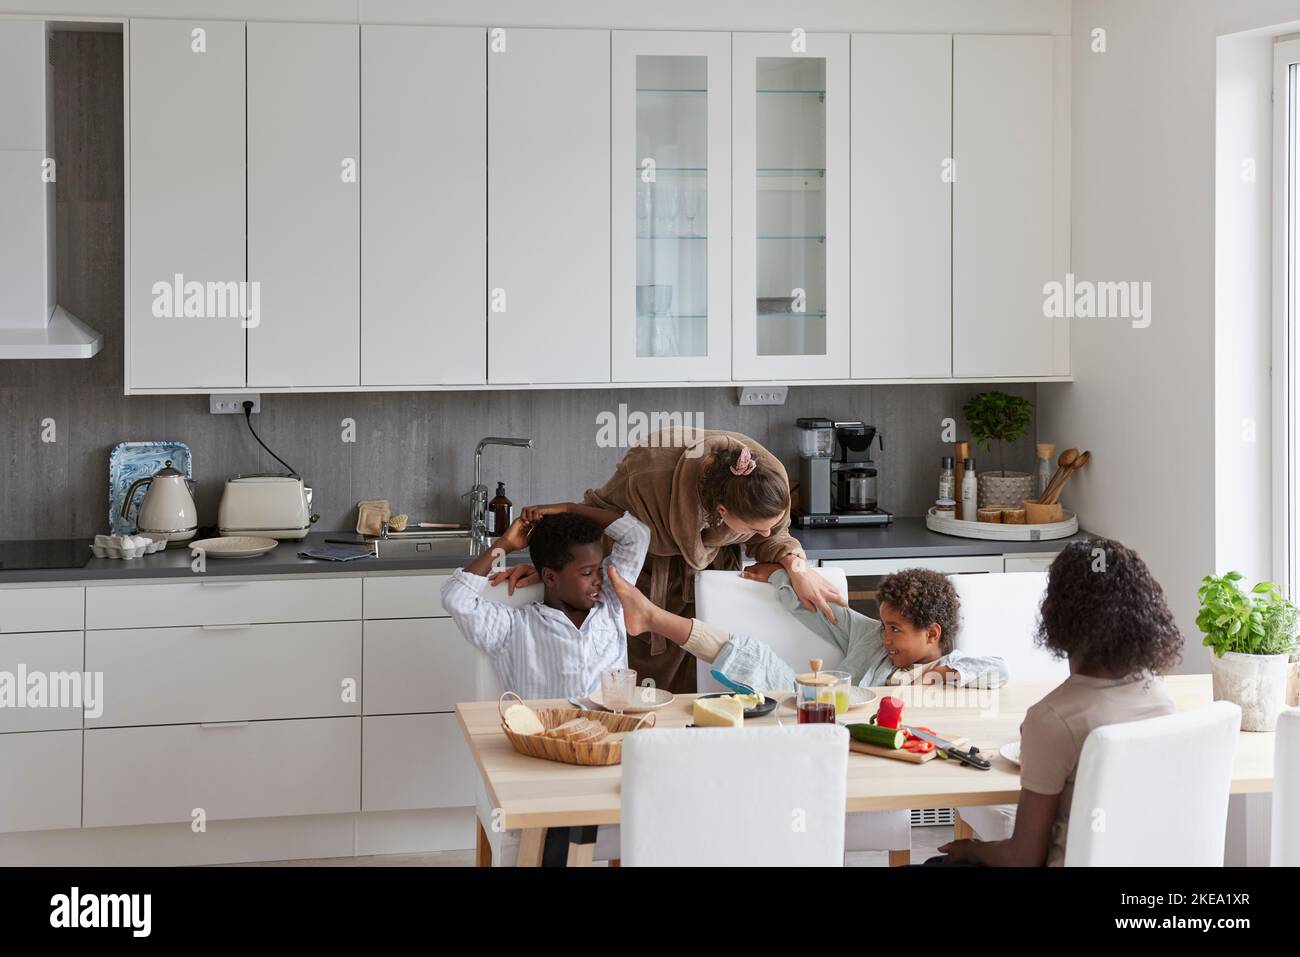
(840, 692)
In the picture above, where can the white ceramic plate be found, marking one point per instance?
(858, 698)
(234, 546)
(643, 699)
(1011, 752)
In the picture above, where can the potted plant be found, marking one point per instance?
(1252, 635)
(1000, 417)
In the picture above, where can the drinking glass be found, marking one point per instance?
(839, 692)
(616, 687)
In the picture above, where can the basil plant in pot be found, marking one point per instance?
(1000, 417)
(1252, 635)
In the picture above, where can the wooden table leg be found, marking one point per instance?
(961, 831)
(482, 849)
(531, 842)
(582, 844)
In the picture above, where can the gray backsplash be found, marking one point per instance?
(413, 448)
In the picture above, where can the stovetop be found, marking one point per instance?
(54, 553)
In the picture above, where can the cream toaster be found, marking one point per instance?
(266, 505)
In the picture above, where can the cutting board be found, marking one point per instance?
(899, 754)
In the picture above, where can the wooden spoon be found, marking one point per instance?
(1062, 466)
(1079, 463)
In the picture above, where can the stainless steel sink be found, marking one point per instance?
(425, 543)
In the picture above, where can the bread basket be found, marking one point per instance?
(556, 749)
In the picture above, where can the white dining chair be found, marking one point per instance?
(1154, 793)
(735, 797)
(495, 847)
(999, 617)
(747, 607)
(1286, 791)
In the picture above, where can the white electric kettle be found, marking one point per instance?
(168, 507)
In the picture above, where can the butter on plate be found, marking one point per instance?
(718, 713)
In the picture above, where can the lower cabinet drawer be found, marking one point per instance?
(415, 761)
(417, 665)
(405, 596)
(226, 672)
(40, 780)
(953, 565)
(1038, 562)
(244, 770)
(56, 656)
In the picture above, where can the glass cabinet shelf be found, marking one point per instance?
(669, 236)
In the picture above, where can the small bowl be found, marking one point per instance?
(1013, 516)
(1036, 514)
(989, 514)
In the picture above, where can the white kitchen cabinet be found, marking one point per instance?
(58, 655)
(24, 78)
(1010, 204)
(404, 596)
(304, 203)
(954, 565)
(40, 789)
(248, 769)
(227, 672)
(902, 206)
(423, 205)
(548, 206)
(670, 165)
(790, 206)
(1029, 562)
(218, 601)
(187, 206)
(415, 761)
(42, 608)
(417, 665)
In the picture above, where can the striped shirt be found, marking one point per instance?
(536, 650)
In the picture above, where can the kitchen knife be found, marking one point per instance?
(969, 757)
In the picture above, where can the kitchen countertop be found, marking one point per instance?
(905, 537)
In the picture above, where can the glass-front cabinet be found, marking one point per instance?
(790, 175)
(671, 197)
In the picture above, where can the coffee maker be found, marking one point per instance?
(837, 478)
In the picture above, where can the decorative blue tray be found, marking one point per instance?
(132, 460)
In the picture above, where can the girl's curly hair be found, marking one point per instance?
(1105, 610)
(924, 598)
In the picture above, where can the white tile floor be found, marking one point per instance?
(925, 841)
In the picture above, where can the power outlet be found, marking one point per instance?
(762, 394)
(233, 404)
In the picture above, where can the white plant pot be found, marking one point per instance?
(1010, 490)
(1257, 683)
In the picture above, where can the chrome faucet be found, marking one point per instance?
(478, 495)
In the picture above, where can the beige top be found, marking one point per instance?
(1054, 729)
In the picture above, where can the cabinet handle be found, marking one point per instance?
(224, 724)
(225, 627)
(222, 584)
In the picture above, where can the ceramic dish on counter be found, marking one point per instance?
(234, 546)
(1011, 752)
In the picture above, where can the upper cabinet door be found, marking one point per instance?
(548, 206)
(1010, 204)
(186, 295)
(902, 206)
(423, 206)
(304, 206)
(670, 165)
(790, 187)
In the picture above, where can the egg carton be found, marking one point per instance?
(127, 546)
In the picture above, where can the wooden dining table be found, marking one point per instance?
(531, 794)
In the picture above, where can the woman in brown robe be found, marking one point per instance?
(703, 494)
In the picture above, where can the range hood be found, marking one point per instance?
(32, 324)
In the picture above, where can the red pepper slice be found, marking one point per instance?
(917, 746)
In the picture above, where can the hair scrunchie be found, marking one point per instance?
(745, 462)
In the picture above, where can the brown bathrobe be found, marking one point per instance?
(659, 482)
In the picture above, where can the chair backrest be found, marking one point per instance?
(705, 797)
(745, 607)
(999, 616)
(487, 685)
(1154, 793)
(1286, 790)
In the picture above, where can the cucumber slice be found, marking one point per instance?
(874, 734)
